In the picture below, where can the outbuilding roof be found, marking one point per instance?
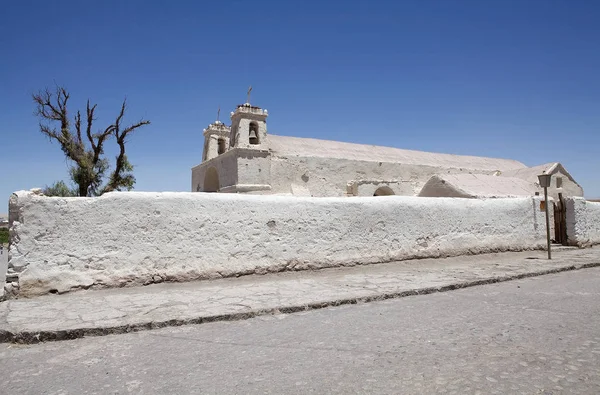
(476, 186)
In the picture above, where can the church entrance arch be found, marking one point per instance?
(211, 180)
(384, 191)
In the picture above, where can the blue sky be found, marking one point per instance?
(502, 78)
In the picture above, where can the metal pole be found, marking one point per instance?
(547, 221)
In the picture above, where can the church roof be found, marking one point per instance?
(306, 147)
(476, 186)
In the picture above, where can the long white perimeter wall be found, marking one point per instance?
(583, 222)
(62, 244)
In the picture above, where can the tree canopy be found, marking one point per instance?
(83, 147)
(3, 236)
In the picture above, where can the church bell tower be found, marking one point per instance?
(249, 126)
(216, 140)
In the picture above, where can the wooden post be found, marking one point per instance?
(547, 222)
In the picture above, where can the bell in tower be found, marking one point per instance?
(253, 136)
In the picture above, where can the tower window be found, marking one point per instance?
(253, 133)
(221, 146)
(559, 182)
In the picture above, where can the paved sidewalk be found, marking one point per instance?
(100, 312)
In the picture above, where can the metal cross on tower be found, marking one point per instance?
(249, 90)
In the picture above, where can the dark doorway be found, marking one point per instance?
(560, 221)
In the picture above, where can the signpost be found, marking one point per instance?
(545, 183)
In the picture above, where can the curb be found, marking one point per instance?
(32, 337)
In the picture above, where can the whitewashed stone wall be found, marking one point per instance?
(226, 165)
(583, 222)
(132, 238)
(3, 264)
(330, 176)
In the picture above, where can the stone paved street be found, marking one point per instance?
(123, 310)
(537, 335)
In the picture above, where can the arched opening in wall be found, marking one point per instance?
(253, 133)
(221, 146)
(384, 191)
(211, 180)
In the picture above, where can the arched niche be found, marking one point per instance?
(384, 191)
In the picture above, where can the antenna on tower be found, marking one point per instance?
(218, 113)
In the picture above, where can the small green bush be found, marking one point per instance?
(3, 236)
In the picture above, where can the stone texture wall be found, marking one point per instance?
(583, 222)
(134, 238)
(331, 176)
(226, 166)
(567, 186)
(3, 264)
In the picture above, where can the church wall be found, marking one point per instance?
(330, 176)
(371, 187)
(135, 238)
(583, 222)
(254, 168)
(226, 166)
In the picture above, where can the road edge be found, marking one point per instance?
(32, 337)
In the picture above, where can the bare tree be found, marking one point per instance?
(84, 147)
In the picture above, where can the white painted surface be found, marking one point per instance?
(325, 177)
(131, 238)
(212, 134)
(325, 168)
(284, 165)
(305, 147)
(241, 119)
(477, 186)
(3, 265)
(583, 222)
(567, 185)
(226, 166)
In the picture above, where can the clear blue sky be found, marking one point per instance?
(515, 79)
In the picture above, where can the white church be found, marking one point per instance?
(244, 158)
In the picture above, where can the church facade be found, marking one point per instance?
(244, 158)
